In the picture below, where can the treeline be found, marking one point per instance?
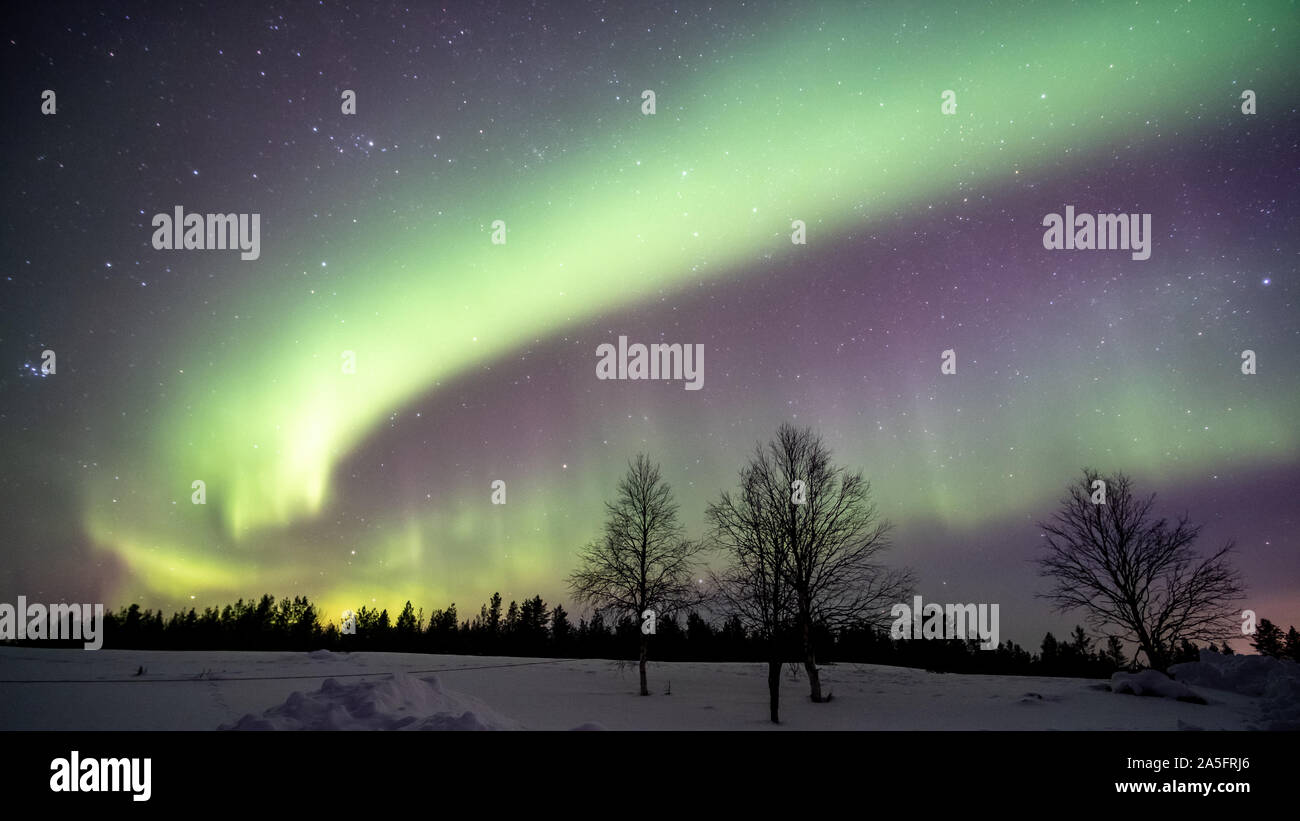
(535, 629)
(1269, 640)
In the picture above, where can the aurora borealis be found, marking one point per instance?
(476, 362)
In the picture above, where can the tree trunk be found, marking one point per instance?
(810, 664)
(1155, 658)
(774, 687)
(645, 691)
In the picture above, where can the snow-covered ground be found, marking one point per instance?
(210, 690)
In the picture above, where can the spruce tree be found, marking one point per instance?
(1291, 649)
(561, 630)
(1268, 639)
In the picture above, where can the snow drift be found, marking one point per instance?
(1153, 683)
(1275, 681)
(397, 702)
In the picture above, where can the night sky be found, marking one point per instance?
(476, 362)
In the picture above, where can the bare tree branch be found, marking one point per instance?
(812, 562)
(641, 561)
(1134, 574)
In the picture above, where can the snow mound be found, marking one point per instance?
(589, 726)
(1248, 675)
(1277, 681)
(1153, 683)
(397, 702)
(320, 654)
(1281, 701)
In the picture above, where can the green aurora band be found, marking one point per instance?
(832, 121)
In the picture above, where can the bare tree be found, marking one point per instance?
(818, 524)
(1111, 556)
(753, 585)
(641, 562)
(835, 537)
